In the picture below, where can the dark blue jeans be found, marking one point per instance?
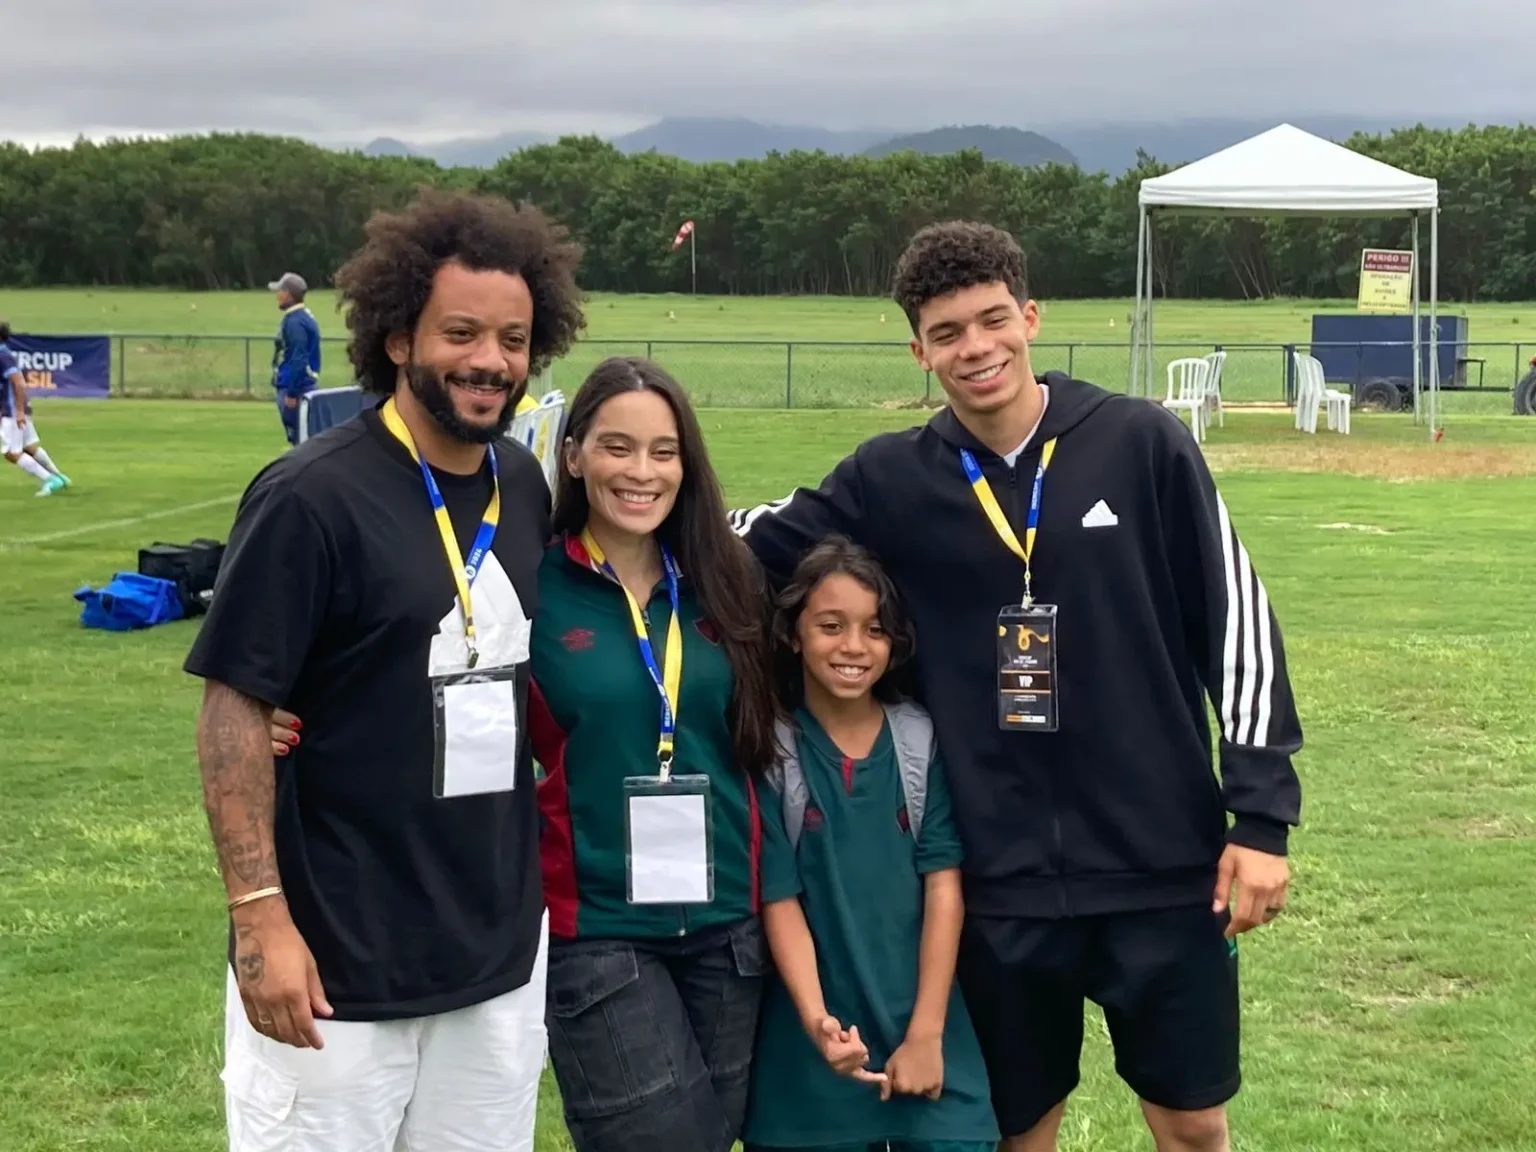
(651, 1040)
(290, 417)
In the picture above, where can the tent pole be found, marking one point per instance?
(1151, 346)
(1141, 254)
(1434, 320)
(1418, 347)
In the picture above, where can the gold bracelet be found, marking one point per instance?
(259, 894)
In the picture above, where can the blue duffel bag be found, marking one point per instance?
(129, 601)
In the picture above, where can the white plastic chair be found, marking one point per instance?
(1306, 404)
(1335, 404)
(1213, 388)
(1313, 394)
(541, 430)
(1186, 391)
(1339, 405)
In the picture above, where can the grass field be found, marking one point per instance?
(736, 351)
(1390, 1008)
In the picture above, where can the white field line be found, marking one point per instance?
(127, 522)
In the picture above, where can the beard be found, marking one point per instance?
(432, 390)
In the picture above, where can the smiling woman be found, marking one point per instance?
(652, 715)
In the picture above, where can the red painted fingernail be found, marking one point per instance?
(297, 724)
(281, 750)
(293, 738)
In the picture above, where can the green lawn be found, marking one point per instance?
(1389, 1009)
(734, 351)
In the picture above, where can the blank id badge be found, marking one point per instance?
(669, 840)
(1026, 668)
(474, 720)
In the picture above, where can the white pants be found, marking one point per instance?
(14, 440)
(465, 1081)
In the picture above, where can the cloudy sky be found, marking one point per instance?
(338, 71)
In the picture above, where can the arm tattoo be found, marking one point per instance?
(236, 757)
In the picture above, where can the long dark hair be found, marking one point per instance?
(724, 573)
(833, 555)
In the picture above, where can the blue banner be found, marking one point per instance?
(75, 366)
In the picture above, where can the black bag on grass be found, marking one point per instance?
(193, 568)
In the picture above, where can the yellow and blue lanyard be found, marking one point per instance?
(669, 684)
(994, 510)
(464, 571)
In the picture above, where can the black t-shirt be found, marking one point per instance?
(335, 600)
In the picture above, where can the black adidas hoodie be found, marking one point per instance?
(1159, 607)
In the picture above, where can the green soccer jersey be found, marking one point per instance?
(594, 716)
(858, 872)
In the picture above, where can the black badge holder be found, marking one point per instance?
(1026, 668)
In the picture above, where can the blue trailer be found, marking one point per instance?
(1372, 356)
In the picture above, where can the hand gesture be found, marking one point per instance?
(1262, 881)
(845, 1052)
(284, 731)
(279, 983)
(916, 1068)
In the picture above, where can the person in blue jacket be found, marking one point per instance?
(296, 356)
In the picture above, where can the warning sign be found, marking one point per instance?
(1386, 281)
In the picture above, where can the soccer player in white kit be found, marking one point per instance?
(18, 431)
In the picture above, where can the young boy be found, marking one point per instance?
(864, 1039)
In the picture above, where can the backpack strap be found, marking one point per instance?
(788, 777)
(912, 733)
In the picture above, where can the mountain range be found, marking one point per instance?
(1110, 148)
(707, 139)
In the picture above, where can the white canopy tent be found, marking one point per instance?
(1288, 172)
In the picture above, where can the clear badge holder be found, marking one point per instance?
(474, 732)
(669, 840)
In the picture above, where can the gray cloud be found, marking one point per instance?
(340, 69)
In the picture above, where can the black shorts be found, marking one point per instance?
(1166, 980)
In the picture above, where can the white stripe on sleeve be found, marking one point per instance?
(1247, 680)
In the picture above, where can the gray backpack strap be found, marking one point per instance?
(787, 776)
(912, 733)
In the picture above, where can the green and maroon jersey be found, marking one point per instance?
(594, 716)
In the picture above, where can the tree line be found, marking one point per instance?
(228, 211)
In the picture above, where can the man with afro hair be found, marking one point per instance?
(387, 937)
(1079, 592)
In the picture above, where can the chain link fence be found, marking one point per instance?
(814, 374)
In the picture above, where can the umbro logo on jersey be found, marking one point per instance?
(1100, 516)
(577, 640)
